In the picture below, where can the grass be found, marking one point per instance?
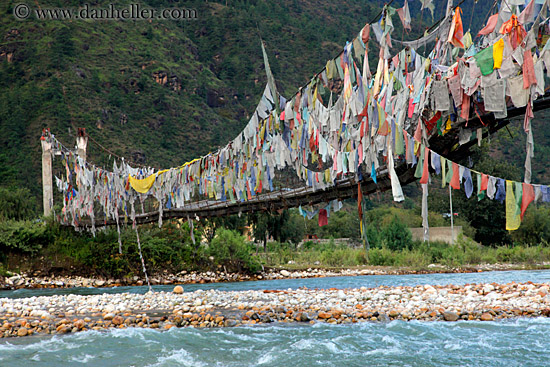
(464, 253)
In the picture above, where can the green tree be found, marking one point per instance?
(17, 204)
(535, 227)
(396, 235)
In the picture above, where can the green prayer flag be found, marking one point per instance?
(519, 196)
(339, 68)
(480, 194)
(485, 61)
(450, 172)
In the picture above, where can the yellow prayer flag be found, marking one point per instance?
(513, 219)
(498, 52)
(143, 185)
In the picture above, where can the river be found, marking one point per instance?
(519, 342)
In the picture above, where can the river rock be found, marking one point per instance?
(230, 323)
(428, 289)
(178, 289)
(394, 313)
(79, 324)
(63, 329)
(450, 316)
(22, 332)
(118, 320)
(486, 317)
(285, 273)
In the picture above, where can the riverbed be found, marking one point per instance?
(373, 340)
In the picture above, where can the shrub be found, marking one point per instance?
(16, 204)
(381, 257)
(229, 248)
(396, 235)
(535, 227)
(23, 237)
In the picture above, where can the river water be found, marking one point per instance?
(520, 342)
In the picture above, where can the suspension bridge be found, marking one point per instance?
(347, 133)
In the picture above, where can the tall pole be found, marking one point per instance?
(452, 214)
(47, 181)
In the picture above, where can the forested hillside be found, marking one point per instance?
(164, 92)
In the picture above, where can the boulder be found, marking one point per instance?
(118, 320)
(178, 289)
(230, 323)
(394, 313)
(450, 316)
(488, 288)
(22, 332)
(79, 324)
(285, 273)
(486, 316)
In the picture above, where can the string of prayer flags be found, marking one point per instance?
(370, 119)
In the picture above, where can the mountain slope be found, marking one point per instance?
(164, 92)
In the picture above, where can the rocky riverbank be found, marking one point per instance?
(164, 310)
(17, 281)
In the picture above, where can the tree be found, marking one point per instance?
(487, 216)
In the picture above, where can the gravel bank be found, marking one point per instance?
(18, 281)
(72, 313)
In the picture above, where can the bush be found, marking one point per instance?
(23, 237)
(396, 235)
(16, 204)
(169, 248)
(229, 248)
(535, 227)
(381, 257)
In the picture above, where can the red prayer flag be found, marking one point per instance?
(491, 25)
(465, 108)
(418, 132)
(456, 29)
(484, 182)
(528, 70)
(365, 33)
(359, 200)
(425, 172)
(323, 217)
(527, 198)
(455, 180)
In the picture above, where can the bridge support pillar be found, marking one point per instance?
(47, 184)
(81, 143)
